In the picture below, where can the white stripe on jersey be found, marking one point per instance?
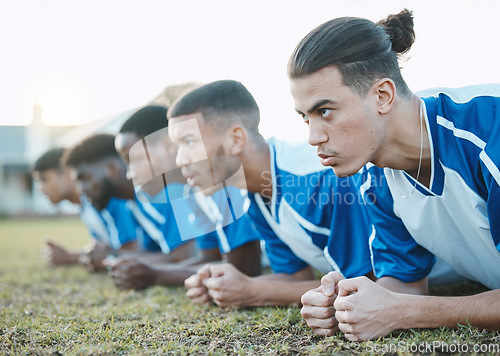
(294, 236)
(211, 210)
(466, 135)
(114, 239)
(93, 220)
(155, 233)
(491, 166)
(332, 261)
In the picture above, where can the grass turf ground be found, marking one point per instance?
(65, 310)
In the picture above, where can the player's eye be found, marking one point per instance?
(324, 112)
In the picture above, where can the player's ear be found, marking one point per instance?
(385, 93)
(236, 140)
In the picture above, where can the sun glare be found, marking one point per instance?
(62, 103)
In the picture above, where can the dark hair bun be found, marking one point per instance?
(400, 29)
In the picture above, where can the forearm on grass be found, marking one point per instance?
(280, 292)
(72, 258)
(172, 274)
(281, 288)
(481, 310)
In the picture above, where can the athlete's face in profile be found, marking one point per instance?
(201, 154)
(94, 181)
(123, 143)
(55, 184)
(344, 126)
(148, 158)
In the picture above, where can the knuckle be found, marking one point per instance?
(327, 313)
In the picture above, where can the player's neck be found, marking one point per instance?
(74, 196)
(256, 163)
(407, 146)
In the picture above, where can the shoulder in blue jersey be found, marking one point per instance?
(177, 215)
(221, 215)
(456, 218)
(314, 218)
(92, 219)
(156, 217)
(119, 221)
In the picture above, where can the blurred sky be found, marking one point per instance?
(85, 60)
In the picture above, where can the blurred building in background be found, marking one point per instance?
(20, 146)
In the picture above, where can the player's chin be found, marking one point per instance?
(343, 171)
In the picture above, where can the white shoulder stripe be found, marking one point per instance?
(491, 166)
(223, 239)
(365, 186)
(306, 224)
(151, 210)
(331, 261)
(155, 233)
(469, 136)
(114, 239)
(372, 237)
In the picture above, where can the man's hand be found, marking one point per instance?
(56, 255)
(196, 291)
(365, 310)
(227, 286)
(92, 258)
(130, 273)
(317, 305)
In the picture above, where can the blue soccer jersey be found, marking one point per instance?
(92, 219)
(225, 213)
(314, 218)
(178, 215)
(156, 216)
(114, 225)
(458, 217)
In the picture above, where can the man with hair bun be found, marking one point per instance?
(431, 179)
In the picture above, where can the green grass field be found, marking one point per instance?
(66, 310)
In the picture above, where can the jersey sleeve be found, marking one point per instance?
(236, 234)
(394, 252)
(147, 243)
(93, 221)
(122, 226)
(280, 256)
(490, 167)
(348, 244)
(207, 241)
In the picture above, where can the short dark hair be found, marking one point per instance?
(49, 160)
(145, 121)
(91, 149)
(221, 103)
(362, 51)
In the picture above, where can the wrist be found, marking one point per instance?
(409, 313)
(256, 290)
